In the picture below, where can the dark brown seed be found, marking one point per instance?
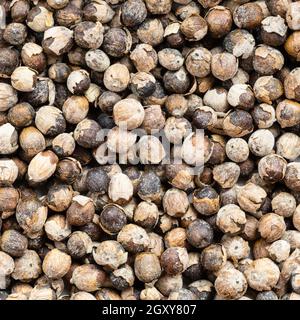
(199, 234)
(9, 60)
(112, 218)
(97, 180)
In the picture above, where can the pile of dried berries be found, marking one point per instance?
(77, 223)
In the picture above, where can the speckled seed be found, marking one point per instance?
(116, 77)
(110, 254)
(57, 228)
(284, 204)
(213, 257)
(267, 60)
(237, 149)
(174, 260)
(279, 250)
(224, 66)
(147, 267)
(226, 174)
(133, 238)
(236, 248)
(267, 89)
(175, 202)
(27, 267)
(88, 277)
(261, 142)
(262, 274)
(231, 284)
(288, 146)
(128, 113)
(271, 227)
(56, 264)
(231, 219)
(251, 197)
(272, 168)
(171, 59)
